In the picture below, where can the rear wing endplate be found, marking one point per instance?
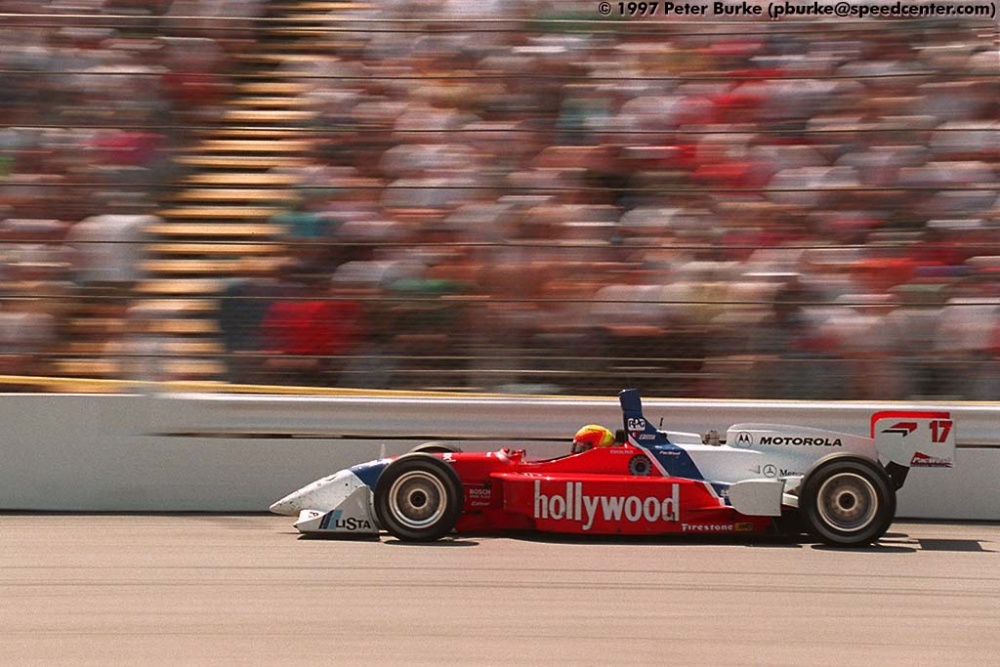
(915, 439)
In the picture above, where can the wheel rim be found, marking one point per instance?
(417, 499)
(847, 502)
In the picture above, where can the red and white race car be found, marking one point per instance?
(761, 477)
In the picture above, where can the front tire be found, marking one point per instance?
(418, 498)
(435, 447)
(847, 502)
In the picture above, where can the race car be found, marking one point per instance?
(758, 478)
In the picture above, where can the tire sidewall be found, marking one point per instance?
(435, 447)
(430, 465)
(873, 474)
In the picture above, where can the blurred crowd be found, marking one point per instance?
(543, 202)
(708, 209)
(97, 98)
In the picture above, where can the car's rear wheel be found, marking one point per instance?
(847, 501)
(418, 498)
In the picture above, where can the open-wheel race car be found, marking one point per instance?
(758, 478)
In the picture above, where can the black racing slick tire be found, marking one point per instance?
(847, 501)
(418, 498)
(437, 448)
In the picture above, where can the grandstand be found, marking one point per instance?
(501, 196)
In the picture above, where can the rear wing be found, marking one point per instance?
(914, 438)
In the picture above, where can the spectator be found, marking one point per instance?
(777, 199)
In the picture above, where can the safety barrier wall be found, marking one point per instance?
(226, 453)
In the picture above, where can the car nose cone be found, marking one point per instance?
(323, 494)
(287, 506)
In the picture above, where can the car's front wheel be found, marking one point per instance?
(847, 501)
(418, 498)
(437, 448)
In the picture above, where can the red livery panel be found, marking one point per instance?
(503, 491)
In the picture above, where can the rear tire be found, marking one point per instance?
(847, 501)
(418, 498)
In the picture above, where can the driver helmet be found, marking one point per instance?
(591, 436)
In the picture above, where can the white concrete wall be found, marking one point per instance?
(238, 453)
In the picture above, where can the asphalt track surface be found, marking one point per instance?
(247, 590)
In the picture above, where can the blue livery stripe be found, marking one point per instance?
(370, 472)
(330, 518)
(668, 457)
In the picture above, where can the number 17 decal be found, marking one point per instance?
(940, 428)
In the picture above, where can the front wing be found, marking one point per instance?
(353, 517)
